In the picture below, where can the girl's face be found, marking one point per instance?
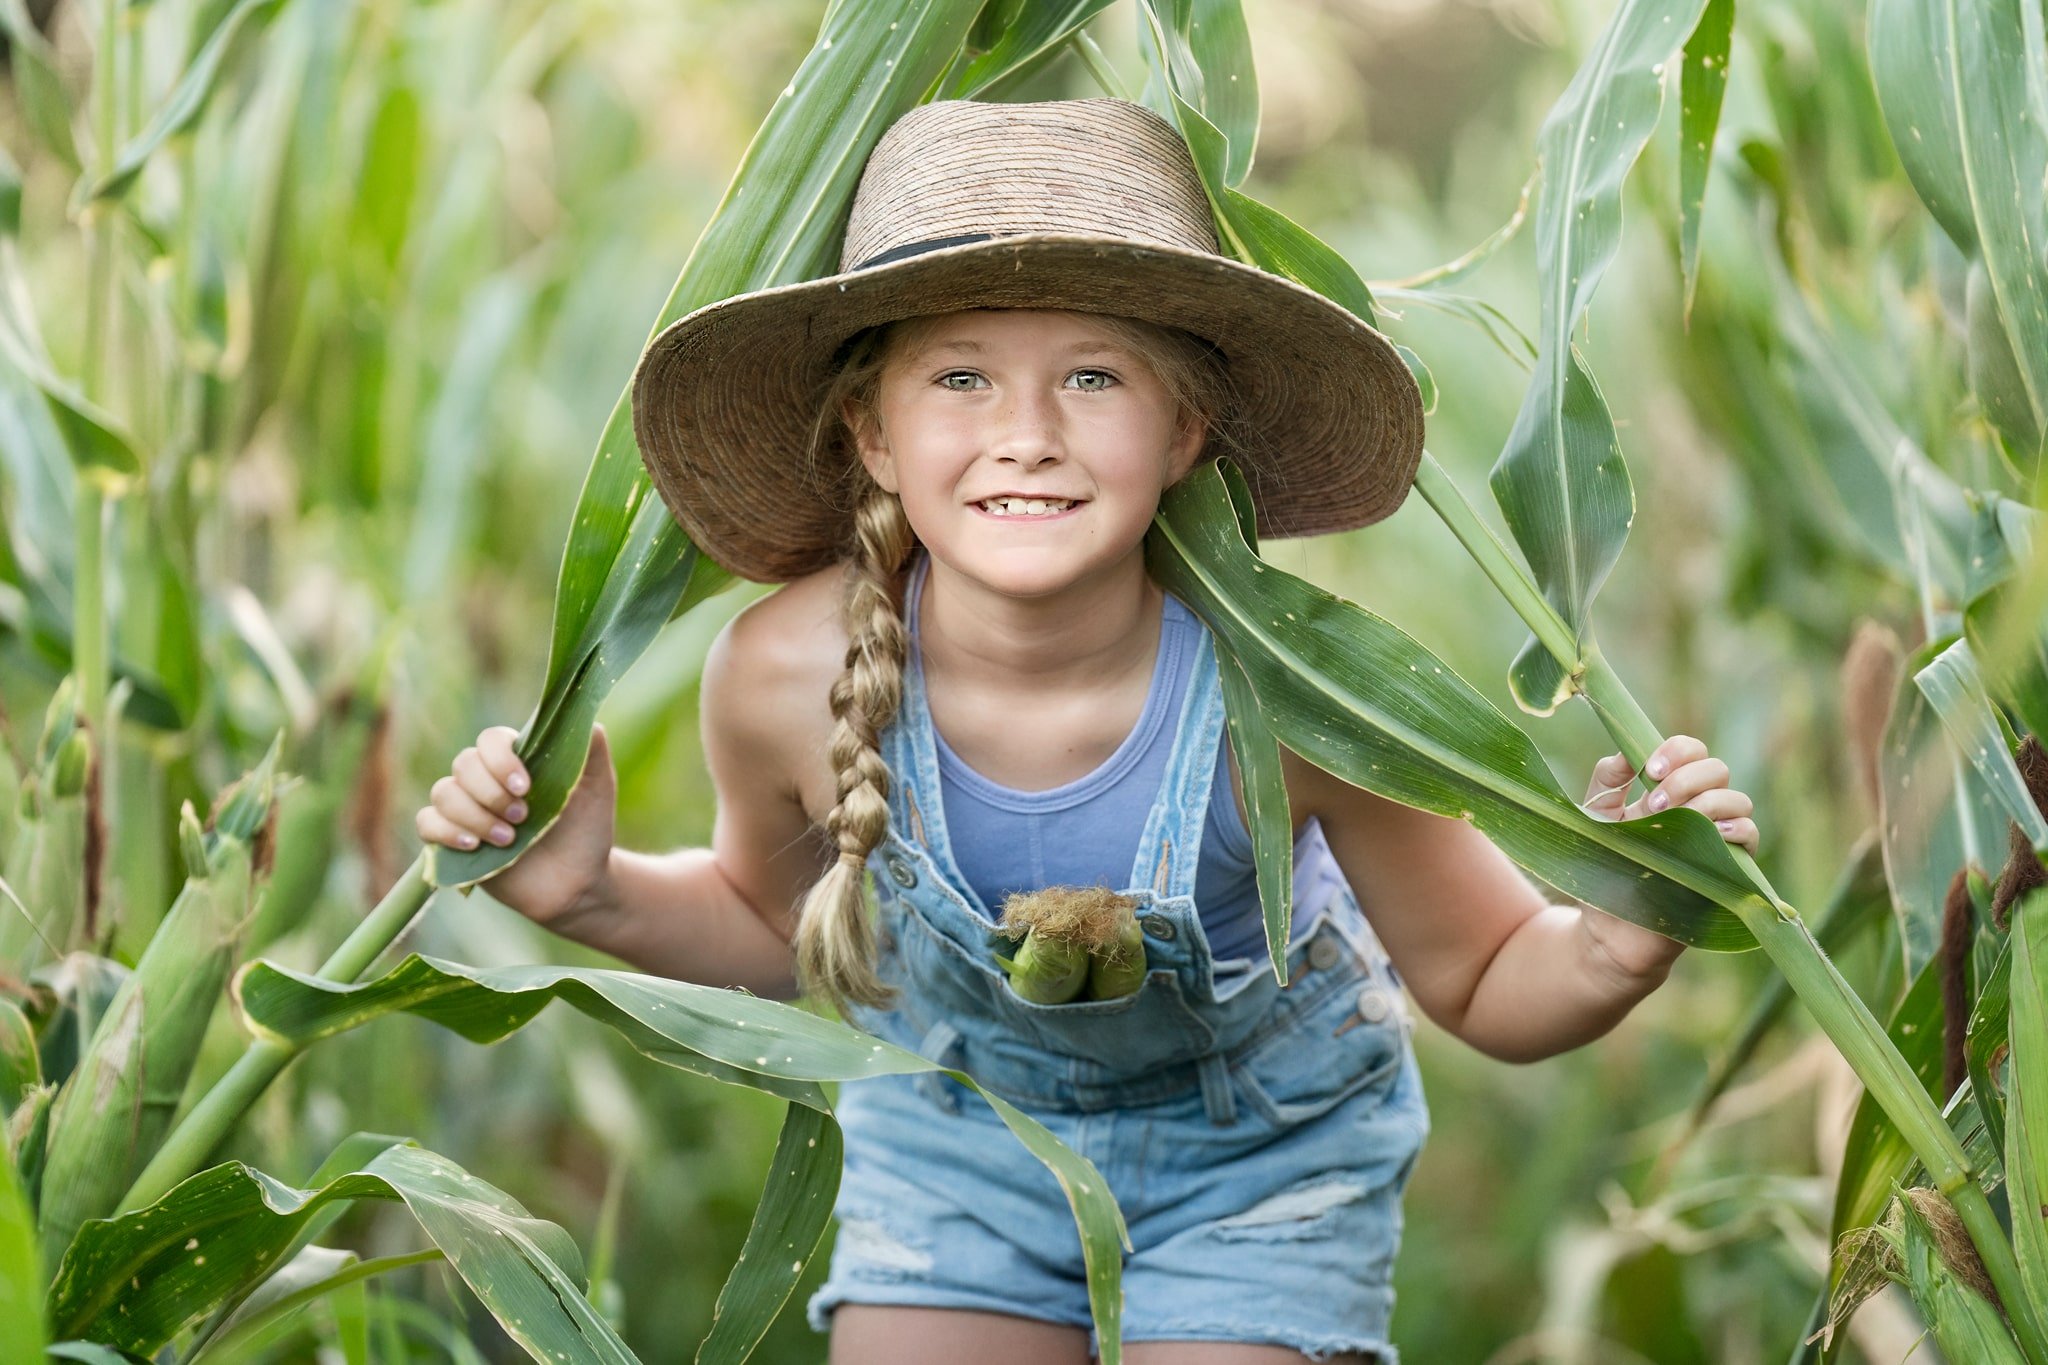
(1029, 447)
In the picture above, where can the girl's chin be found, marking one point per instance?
(1025, 571)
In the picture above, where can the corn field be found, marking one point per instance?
(315, 326)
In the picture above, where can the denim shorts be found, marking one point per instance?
(1258, 1139)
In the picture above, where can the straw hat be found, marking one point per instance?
(1090, 205)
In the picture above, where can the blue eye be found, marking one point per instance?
(973, 380)
(1092, 381)
(947, 379)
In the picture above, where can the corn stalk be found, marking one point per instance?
(1563, 486)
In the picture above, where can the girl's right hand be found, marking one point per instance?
(484, 796)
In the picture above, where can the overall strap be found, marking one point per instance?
(912, 751)
(1172, 843)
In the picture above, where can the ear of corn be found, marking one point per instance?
(20, 1068)
(46, 858)
(1118, 968)
(1074, 939)
(114, 1109)
(1966, 1325)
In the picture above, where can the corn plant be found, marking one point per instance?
(1335, 682)
(1328, 682)
(144, 1249)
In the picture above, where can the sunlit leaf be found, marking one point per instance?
(1561, 483)
(727, 1035)
(136, 1280)
(1704, 81)
(1360, 698)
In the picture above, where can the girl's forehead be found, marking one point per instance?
(991, 329)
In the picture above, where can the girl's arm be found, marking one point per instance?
(723, 915)
(1475, 941)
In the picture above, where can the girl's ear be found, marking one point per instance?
(868, 441)
(1186, 447)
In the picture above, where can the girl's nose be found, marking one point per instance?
(1026, 430)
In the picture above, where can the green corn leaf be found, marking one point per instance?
(39, 88)
(1872, 470)
(10, 195)
(313, 1273)
(726, 1035)
(21, 1276)
(97, 442)
(1265, 799)
(1951, 683)
(1361, 699)
(787, 1227)
(2026, 1149)
(92, 1353)
(21, 1070)
(1985, 1044)
(627, 565)
(1499, 328)
(1269, 819)
(1877, 1156)
(1437, 277)
(2006, 616)
(1933, 808)
(1249, 230)
(1204, 50)
(134, 1281)
(1961, 90)
(186, 103)
(1996, 375)
(75, 992)
(1561, 483)
(1704, 81)
(28, 1135)
(1021, 35)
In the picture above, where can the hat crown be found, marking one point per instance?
(968, 168)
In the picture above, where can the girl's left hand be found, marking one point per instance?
(1686, 775)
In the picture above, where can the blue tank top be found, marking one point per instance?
(1085, 832)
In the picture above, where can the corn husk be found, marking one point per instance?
(114, 1109)
(1075, 939)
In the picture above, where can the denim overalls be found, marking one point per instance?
(1257, 1139)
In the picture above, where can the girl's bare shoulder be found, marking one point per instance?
(768, 677)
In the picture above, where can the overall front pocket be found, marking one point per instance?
(1349, 1040)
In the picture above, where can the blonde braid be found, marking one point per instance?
(835, 944)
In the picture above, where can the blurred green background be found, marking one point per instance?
(423, 249)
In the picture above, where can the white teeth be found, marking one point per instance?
(1025, 507)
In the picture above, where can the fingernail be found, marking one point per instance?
(516, 811)
(467, 840)
(1657, 766)
(1725, 826)
(517, 784)
(501, 833)
(1659, 800)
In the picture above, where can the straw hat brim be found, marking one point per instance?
(725, 399)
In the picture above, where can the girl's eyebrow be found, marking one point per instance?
(1078, 348)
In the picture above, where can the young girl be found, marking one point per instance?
(951, 452)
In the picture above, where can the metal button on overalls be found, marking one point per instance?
(1323, 953)
(900, 869)
(1159, 927)
(1373, 1004)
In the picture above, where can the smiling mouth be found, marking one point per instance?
(1027, 507)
